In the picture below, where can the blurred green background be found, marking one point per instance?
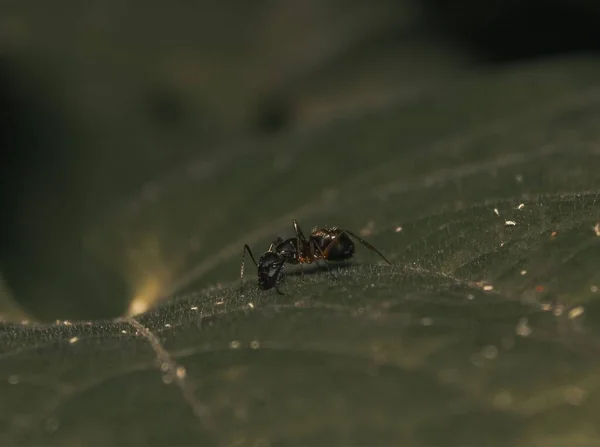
(141, 144)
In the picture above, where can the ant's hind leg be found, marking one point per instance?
(359, 239)
(366, 244)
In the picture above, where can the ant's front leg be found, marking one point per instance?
(246, 249)
(279, 281)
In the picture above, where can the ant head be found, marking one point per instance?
(269, 267)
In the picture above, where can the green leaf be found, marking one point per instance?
(484, 193)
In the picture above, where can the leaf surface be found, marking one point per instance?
(484, 194)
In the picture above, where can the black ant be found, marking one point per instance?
(323, 244)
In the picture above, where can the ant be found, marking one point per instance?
(323, 244)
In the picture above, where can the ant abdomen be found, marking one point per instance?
(342, 250)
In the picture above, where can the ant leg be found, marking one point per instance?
(246, 248)
(301, 243)
(275, 243)
(366, 244)
(323, 257)
(299, 233)
(279, 281)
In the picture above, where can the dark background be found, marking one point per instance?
(101, 107)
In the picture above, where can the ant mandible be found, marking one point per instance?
(323, 244)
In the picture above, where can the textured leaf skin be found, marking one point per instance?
(475, 335)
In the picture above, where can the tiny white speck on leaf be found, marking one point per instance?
(67, 323)
(503, 399)
(597, 229)
(521, 206)
(488, 287)
(523, 272)
(255, 344)
(426, 321)
(219, 303)
(164, 366)
(181, 372)
(234, 344)
(194, 308)
(398, 229)
(575, 395)
(576, 312)
(25, 322)
(523, 328)
(593, 289)
(73, 340)
(470, 296)
(496, 212)
(477, 360)
(510, 223)
(519, 178)
(490, 352)
(251, 305)
(51, 424)
(558, 310)
(123, 331)
(167, 325)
